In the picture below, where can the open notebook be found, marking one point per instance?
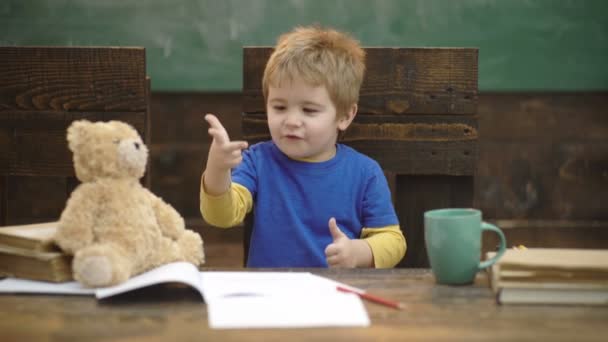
(236, 299)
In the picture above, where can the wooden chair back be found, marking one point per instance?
(44, 89)
(417, 118)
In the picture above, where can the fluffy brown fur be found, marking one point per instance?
(114, 227)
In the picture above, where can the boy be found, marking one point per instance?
(317, 203)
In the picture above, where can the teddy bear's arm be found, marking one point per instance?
(170, 221)
(75, 229)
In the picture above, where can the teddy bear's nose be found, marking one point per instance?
(136, 146)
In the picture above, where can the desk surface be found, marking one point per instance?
(433, 312)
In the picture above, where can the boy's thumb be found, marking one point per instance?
(334, 230)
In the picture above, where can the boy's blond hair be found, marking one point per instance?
(319, 57)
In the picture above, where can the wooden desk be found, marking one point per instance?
(432, 313)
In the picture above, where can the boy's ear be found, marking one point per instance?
(346, 120)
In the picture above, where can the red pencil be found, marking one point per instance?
(372, 298)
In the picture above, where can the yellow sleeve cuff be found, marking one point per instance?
(228, 209)
(388, 245)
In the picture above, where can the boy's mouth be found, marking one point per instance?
(292, 137)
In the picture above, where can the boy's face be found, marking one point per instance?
(302, 120)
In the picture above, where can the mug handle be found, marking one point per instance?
(501, 248)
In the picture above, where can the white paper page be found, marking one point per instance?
(241, 284)
(335, 284)
(278, 300)
(14, 285)
(226, 284)
(181, 272)
(282, 311)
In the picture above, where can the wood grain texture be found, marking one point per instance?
(432, 313)
(35, 142)
(398, 81)
(543, 116)
(409, 145)
(72, 79)
(35, 199)
(44, 89)
(543, 156)
(524, 141)
(533, 154)
(180, 143)
(583, 234)
(416, 194)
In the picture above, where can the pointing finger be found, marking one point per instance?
(216, 129)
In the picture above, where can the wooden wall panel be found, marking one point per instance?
(70, 78)
(37, 198)
(525, 139)
(427, 144)
(417, 194)
(35, 142)
(397, 81)
(543, 156)
(549, 234)
(180, 143)
(44, 89)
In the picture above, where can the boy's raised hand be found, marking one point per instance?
(341, 252)
(223, 153)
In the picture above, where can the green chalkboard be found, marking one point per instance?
(197, 44)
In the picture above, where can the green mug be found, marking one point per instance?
(453, 244)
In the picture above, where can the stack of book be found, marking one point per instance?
(551, 276)
(28, 251)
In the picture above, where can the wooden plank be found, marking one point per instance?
(179, 117)
(34, 142)
(414, 145)
(513, 151)
(223, 247)
(177, 173)
(72, 78)
(417, 194)
(421, 158)
(35, 199)
(44, 89)
(550, 234)
(528, 179)
(543, 117)
(386, 128)
(180, 143)
(397, 80)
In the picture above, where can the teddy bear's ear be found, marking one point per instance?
(77, 133)
(122, 127)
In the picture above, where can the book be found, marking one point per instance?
(553, 296)
(235, 299)
(551, 276)
(29, 251)
(23, 263)
(34, 237)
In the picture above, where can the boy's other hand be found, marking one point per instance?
(223, 153)
(341, 252)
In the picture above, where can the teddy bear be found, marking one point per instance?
(113, 226)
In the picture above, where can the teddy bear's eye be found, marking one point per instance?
(116, 141)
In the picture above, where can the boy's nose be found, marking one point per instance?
(292, 120)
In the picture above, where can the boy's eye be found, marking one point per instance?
(310, 110)
(278, 108)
